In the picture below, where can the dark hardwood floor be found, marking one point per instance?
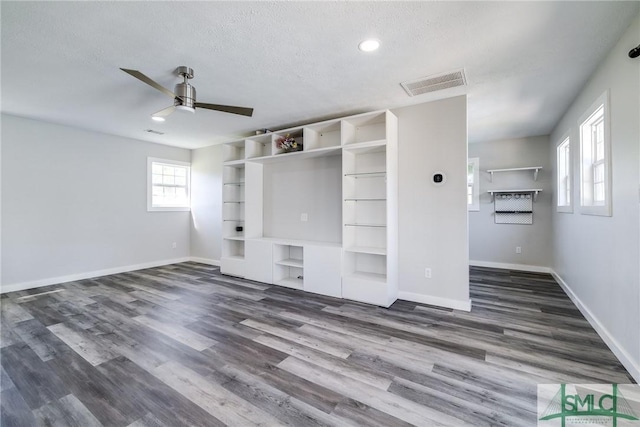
(182, 345)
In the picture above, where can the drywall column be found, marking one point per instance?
(433, 218)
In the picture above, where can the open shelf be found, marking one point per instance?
(533, 191)
(296, 134)
(364, 128)
(234, 183)
(366, 200)
(366, 225)
(258, 146)
(373, 277)
(233, 151)
(535, 170)
(290, 262)
(367, 250)
(240, 238)
(381, 174)
(322, 135)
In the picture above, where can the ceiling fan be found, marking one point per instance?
(184, 96)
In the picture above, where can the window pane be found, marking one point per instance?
(156, 179)
(167, 170)
(181, 180)
(156, 168)
(167, 180)
(181, 171)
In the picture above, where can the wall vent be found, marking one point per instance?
(434, 83)
(154, 131)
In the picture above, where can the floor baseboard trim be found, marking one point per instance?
(506, 266)
(624, 357)
(208, 261)
(439, 301)
(87, 275)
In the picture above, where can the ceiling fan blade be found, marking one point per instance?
(138, 75)
(226, 108)
(164, 112)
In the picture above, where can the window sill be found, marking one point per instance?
(167, 209)
(596, 210)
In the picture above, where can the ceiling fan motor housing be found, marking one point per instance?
(185, 95)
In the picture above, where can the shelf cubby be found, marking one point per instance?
(296, 133)
(258, 146)
(288, 267)
(364, 128)
(232, 151)
(233, 248)
(365, 266)
(323, 135)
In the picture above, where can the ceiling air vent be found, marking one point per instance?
(434, 83)
(154, 131)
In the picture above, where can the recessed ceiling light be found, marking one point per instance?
(369, 45)
(157, 118)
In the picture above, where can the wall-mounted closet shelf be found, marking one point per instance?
(535, 170)
(533, 191)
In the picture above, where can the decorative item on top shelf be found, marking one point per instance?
(288, 144)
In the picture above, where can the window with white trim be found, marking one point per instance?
(595, 159)
(168, 185)
(563, 159)
(473, 184)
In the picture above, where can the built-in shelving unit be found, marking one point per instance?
(535, 170)
(233, 191)
(363, 266)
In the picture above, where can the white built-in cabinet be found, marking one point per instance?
(363, 266)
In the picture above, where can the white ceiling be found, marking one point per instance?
(297, 62)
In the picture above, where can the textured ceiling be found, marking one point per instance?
(296, 62)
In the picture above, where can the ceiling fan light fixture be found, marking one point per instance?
(185, 108)
(369, 45)
(157, 118)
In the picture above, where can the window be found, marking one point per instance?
(595, 159)
(473, 184)
(563, 159)
(168, 184)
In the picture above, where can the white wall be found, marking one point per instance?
(312, 186)
(597, 257)
(494, 244)
(206, 204)
(433, 219)
(75, 202)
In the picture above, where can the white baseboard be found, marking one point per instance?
(87, 275)
(506, 266)
(439, 301)
(625, 358)
(208, 261)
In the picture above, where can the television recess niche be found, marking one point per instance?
(323, 219)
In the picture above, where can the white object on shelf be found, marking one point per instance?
(535, 170)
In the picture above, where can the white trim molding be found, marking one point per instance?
(87, 275)
(438, 301)
(625, 358)
(506, 266)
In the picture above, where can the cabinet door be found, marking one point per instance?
(322, 270)
(258, 261)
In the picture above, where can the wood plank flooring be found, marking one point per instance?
(183, 345)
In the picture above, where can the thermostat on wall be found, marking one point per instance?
(439, 178)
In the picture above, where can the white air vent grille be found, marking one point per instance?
(154, 131)
(434, 83)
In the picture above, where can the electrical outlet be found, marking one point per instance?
(174, 245)
(518, 250)
(427, 273)
(304, 217)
